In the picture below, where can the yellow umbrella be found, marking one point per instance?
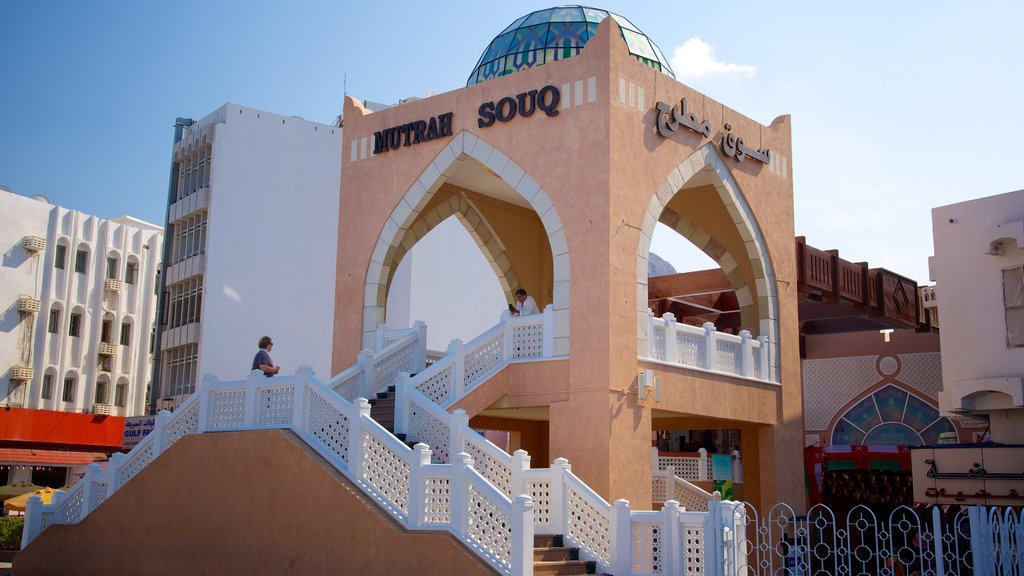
(19, 503)
(17, 489)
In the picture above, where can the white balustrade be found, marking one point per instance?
(707, 349)
(397, 351)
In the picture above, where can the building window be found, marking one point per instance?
(54, 324)
(47, 386)
(131, 273)
(126, 333)
(101, 392)
(1013, 300)
(186, 300)
(59, 256)
(105, 363)
(68, 395)
(181, 370)
(107, 332)
(152, 339)
(81, 261)
(112, 268)
(75, 326)
(190, 237)
(120, 394)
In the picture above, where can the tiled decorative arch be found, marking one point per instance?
(394, 234)
(479, 229)
(764, 311)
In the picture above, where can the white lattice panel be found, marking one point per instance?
(99, 495)
(829, 384)
(440, 387)
(659, 343)
(729, 357)
(135, 462)
(528, 340)
(685, 467)
(658, 491)
(227, 409)
(387, 473)
(425, 428)
(692, 549)
(386, 370)
(489, 527)
(690, 349)
(690, 498)
(588, 527)
(328, 425)
(182, 423)
(437, 504)
(71, 509)
(540, 491)
(648, 547)
(758, 369)
(349, 388)
(483, 359)
(47, 519)
(496, 472)
(274, 406)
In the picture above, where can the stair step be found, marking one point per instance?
(555, 554)
(564, 568)
(547, 541)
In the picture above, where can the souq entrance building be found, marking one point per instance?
(559, 161)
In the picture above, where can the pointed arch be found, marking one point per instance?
(399, 233)
(759, 303)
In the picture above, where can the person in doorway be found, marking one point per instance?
(262, 361)
(525, 304)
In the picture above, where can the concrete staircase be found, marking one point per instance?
(552, 558)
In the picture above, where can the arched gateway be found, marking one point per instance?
(581, 151)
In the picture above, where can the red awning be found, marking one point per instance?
(16, 456)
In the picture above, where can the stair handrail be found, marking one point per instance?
(666, 486)
(398, 351)
(497, 528)
(420, 419)
(707, 349)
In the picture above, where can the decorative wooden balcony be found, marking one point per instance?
(112, 285)
(27, 304)
(101, 409)
(34, 243)
(107, 349)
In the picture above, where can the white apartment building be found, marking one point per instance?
(79, 304)
(252, 232)
(978, 268)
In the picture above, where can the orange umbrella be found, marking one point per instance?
(19, 503)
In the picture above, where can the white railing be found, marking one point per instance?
(707, 349)
(665, 486)
(466, 366)
(695, 466)
(397, 351)
(402, 481)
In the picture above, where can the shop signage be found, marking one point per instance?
(136, 428)
(411, 133)
(670, 118)
(525, 104)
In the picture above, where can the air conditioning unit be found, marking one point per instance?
(27, 304)
(34, 243)
(22, 372)
(112, 285)
(101, 409)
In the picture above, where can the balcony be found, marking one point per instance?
(34, 243)
(22, 372)
(107, 349)
(27, 304)
(101, 409)
(112, 285)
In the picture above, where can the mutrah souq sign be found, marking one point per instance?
(670, 118)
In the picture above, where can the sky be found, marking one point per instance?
(897, 107)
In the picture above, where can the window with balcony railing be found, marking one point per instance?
(182, 363)
(190, 237)
(185, 302)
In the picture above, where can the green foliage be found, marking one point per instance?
(10, 532)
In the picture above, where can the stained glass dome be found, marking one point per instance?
(556, 34)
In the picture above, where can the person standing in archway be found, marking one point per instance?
(525, 304)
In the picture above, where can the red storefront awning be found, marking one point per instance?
(48, 429)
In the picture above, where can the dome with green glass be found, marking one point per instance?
(556, 34)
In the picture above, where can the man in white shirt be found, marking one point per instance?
(525, 305)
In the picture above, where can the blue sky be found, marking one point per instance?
(897, 107)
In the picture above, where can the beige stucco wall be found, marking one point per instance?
(272, 506)
(600, 164)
